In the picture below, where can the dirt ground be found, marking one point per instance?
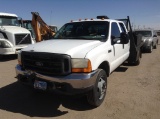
(133, 93)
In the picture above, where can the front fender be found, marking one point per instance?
(99, 55)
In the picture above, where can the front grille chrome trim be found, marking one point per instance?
(47, 63)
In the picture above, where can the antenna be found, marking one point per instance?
(50, 17)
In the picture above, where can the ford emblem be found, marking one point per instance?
(39, 64)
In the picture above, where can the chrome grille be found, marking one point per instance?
(46, 63)
(22, 39)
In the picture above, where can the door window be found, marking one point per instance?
(122, 27)
(115, 30)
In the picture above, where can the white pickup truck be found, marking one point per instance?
(79, 59)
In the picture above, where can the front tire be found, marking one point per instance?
(96, 96)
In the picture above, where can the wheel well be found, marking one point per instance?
(105, 67)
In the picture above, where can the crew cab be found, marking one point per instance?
(78, 60)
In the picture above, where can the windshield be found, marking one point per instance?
(89, 30)
(8, 21)
(28, 26)
(144, 33)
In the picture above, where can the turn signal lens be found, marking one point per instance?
(81, 65)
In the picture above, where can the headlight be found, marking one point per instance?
(19, 58)
(81, 65)
(4, 44)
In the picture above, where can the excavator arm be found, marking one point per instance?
(41, 29)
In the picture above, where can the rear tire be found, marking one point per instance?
(96, 96)
(139, 59)
(1, 57)
(137, 62)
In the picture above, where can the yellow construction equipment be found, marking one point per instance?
(41, 29)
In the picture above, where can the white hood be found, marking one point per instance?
(14, 29)
(74, 48)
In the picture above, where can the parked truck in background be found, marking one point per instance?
(80, 57)
(12, 37)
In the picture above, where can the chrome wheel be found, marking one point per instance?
(96, 96)
(101, 89)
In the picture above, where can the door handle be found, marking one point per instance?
(109, 51)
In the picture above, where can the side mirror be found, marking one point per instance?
(115, 40)
(124, 38)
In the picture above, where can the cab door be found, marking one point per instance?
(126, 45)
(118, 48)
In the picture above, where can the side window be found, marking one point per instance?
(122, 28)
(115, 30)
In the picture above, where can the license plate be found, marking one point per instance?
(40, 85)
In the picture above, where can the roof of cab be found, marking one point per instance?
(8, 14)
(83, 20)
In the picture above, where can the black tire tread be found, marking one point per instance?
(91, 96)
